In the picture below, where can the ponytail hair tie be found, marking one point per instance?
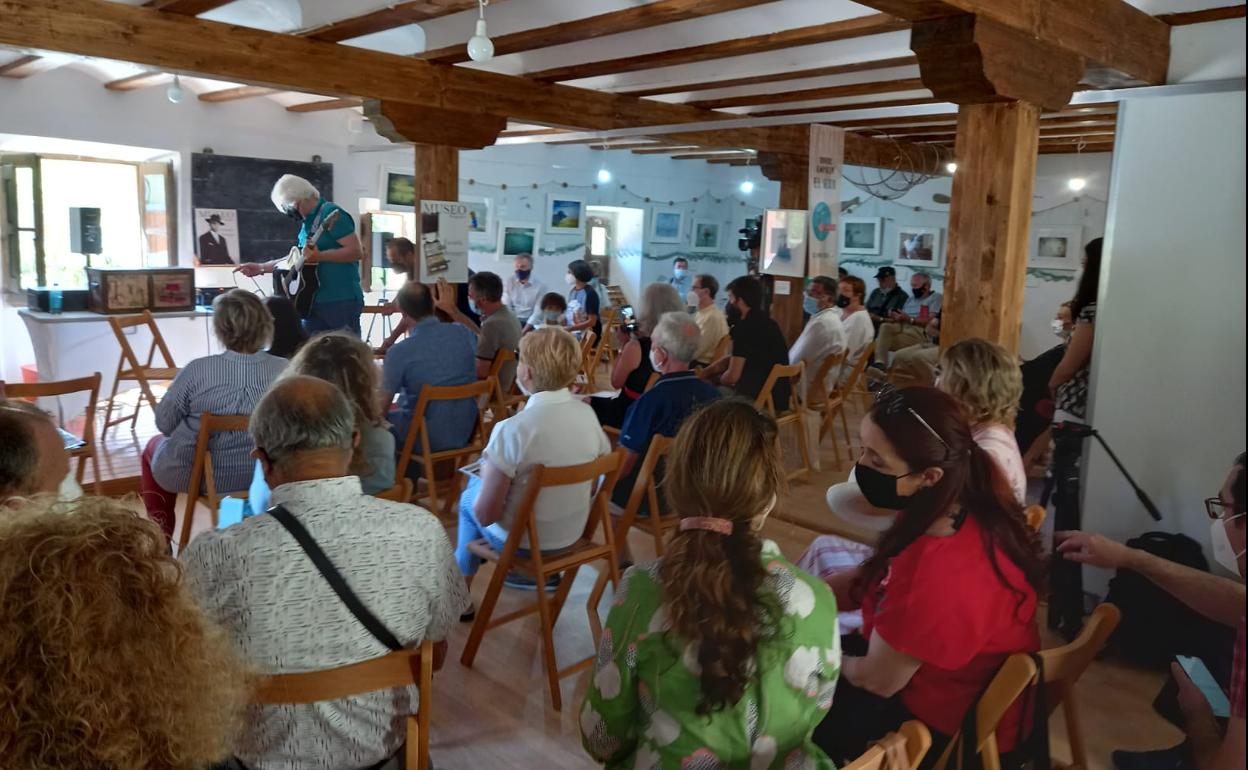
(707, 523)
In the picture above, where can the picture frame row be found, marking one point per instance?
(1053, 247)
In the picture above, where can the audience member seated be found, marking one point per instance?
(226, 383)
(348, 363)
(554, 429)
(757, 346)
(552, 311)
(1208, 746)
(106, 662)
(722, 653)
(904, 327)
(859, 331)
(288, 331)
(279, 610)
(33, 460)
(401, 254)
(522, 290)
(583, 300)
(680, 276)
(887, 298)
(984, 376)
(711, 320)
(951, 591)
(434, 353)
(916, 364)
(499, 328)
(633, 366)
(823, 336)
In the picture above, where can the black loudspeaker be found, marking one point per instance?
(84, 230)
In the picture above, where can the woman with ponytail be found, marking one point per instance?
(950, 592)
(721, 654)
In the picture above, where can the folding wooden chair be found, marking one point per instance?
(90, 386)
(902, 750)
(598, 348)
(202, 474)
(721, 348)
(654, 377)
(797, 406)
(567, 562)
(1035, 453)
(478, 392)
(129, 368)
(834, 361)
(399, 493)
(1034, 514)
(836, 399)
(397, 669)
(1062, 668)
(502, 404)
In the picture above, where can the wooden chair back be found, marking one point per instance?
(478, 392)
(399, 493)
(796, 374)
(202, 474)
(902, 750)
(90, 386)
(826, 402)
(502, 404)
(397, 669)
(600, 348)
(130, 369)
(567, 562)
(854, 381)
(830, 362)
(1037, 449)
(721, 348)
(654, 377)
(837, 399)
(1034, 514)
(1062, 668)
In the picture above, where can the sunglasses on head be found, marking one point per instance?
(891, 400)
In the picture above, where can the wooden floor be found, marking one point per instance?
(497, 714)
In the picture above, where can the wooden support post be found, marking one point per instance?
(437, 179)
(989, 222)
(791, 171)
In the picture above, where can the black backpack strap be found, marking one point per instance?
(334, 578)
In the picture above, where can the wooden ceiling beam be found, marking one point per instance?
(952, 128)
(876, 24)
(396, 15)
(626, 20)
(734, 161)
(1075, 149)
(811, 94)
(1064, 135)
(836, 69)
(186, 7)
(710, 156)
(1203, 16)
(236, 93)
(1109, 112)
(1108, 32)
(323, 105)
(21, 67)
(666, 150)
(136, 82)
(845, 107)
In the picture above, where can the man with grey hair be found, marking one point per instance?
(339, 299)
(33, 460)
(905, 326)
(261, 586)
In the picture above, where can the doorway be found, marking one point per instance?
(614, 240)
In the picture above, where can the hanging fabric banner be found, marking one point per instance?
(827, 155)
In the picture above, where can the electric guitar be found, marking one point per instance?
(300, 281)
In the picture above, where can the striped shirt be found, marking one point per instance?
(226, 383)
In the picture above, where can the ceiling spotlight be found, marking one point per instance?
(480, 48)
(951, 167)
(604, 176)
(175, 93)
(746, 187)
(1077, 183)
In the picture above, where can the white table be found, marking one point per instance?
(80, 343)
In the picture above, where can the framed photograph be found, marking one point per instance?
(398, 189)
(784, 242)
(216, 237)
(564, 215)
(480, 216)
(919, 246)
(1056, 248)
(861, 235)
(667, 226)
(705, 235)
(517, 238)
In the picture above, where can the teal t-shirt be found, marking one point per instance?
(339, 281)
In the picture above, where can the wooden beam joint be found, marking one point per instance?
(402, 122)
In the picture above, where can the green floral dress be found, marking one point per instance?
(640, 709)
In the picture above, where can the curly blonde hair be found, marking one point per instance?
(105, 659)
(347, 362)
(985, 377)
(552, 356)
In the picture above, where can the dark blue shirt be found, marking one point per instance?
(663, 408)
(434, 353)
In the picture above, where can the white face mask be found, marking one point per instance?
(520, 381)
(654, 361)
(69, 489)
(691, 299)
(1059, 328)
(568, 279)
(1223, 551)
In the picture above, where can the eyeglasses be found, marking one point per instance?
(892, 400)
(1217, 509)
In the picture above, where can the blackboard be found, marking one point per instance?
(244, 184)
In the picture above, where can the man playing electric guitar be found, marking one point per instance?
(335, 255)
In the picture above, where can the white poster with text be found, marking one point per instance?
(444, 229)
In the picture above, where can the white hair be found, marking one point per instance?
(291, 189)
(678, 334)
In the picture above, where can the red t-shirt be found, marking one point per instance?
(942, 602)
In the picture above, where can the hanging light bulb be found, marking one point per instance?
(604, 176)
(174, 93)
(951, 167)
(1077, 183)
(746, 187)
(480, 48)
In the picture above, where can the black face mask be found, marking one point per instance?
(842, 301)
(920, 292)
(733, 315)
(880, 488)
(293, 213)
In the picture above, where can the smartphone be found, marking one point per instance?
(1200, 676)
(628, 319)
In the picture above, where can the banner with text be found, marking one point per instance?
(444, 241)
(827, 156)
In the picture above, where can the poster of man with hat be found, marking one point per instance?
(218, 236)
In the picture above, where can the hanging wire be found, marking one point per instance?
(892, 183)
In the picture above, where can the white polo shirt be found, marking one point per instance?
(554, 429)
(822, 337)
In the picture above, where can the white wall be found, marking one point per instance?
(1168, 364)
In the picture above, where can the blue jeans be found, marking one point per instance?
(470, 529)
(334, 316)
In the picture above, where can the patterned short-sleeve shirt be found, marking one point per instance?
(640, 708)
(1072, 395)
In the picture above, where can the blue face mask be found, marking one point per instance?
(810, 305)
(472, 305)
(680, 273)
(552, 316)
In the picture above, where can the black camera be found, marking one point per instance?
(751, 235)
